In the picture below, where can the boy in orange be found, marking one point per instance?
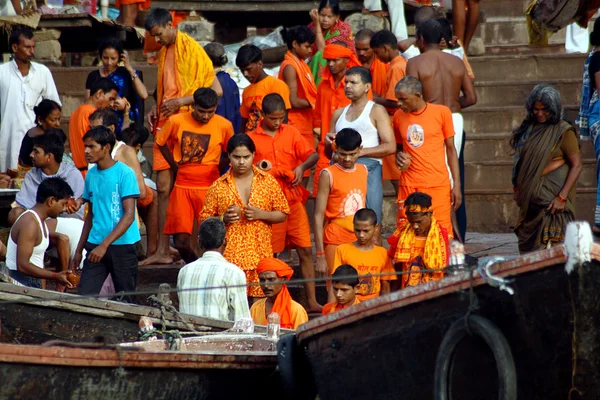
(342, 192)
(379, 69)
(370, 261)
(420, 244)
(249, 61)
(272, 273)
(425, 131)
(290, 156)
(345, 284)
(103, 93)
(385, 47)
(200, 139)
(296, 74)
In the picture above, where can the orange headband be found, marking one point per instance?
(415, 208)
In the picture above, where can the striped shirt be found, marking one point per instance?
(224, 303)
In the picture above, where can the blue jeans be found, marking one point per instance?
(374, 186)
(593, 122)
(25, 279)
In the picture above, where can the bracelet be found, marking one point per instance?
(133, 77)
(320, 253)
(54, 275)
(563, 199)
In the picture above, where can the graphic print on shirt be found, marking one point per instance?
(254, 117)
(365, 282)
(352, 203)
(115, 206)
(415, 136)
(193, 147)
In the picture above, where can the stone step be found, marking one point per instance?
(504, 8)
(497, 175)
(495, 146)
(510, 30)
(523, 48)
(514, 93)
(492, 119)
(528, 67)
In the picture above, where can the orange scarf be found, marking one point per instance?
(283, 302)
(304, 74)
(193, 68)
(333, 51)
(337, 307)
(435, 254)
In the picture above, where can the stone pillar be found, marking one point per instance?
(47, 46)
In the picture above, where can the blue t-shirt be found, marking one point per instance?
(105, 190)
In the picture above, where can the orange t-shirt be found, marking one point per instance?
(422, 135)
(301, 118)
(373, 262)
(79, 124)
(198, 147)
(251, 107)
(396, 72)
(379, 71)
(286, 150)
(334, 306)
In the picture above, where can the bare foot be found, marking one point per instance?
(314, 307)
(156, 259)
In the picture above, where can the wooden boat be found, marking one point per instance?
(218, 367)
(461, 337)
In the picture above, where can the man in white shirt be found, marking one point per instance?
(23, 85)
(210, 286)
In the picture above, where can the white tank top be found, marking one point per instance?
(363, 125)
(37, 256)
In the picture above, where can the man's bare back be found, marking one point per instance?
(443, 76)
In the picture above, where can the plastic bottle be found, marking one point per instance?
(457, 253)
(273, 326)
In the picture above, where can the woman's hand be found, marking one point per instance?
(120, 104)
(126, 64)
(556, 206)
(314, 16)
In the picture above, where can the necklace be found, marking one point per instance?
(417, 114)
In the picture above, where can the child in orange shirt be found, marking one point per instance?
(345, 284)
(370, 261)
(249, 61)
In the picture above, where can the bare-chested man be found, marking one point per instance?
(445, 81)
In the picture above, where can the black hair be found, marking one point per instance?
(446, 29)
(241, 140)
(105, 85)
(300, 34)
(211, 233)
(364, 73)
(430, 31)
(366, 215)
(134, 135)
(53, 187)
(44, 109)
(346, 274)
(383, 38)
(206, 98)
(595, 35)
(247, 55)
(333, 4)
(52, 142)
(348, 139)
(157, 17)
(101, 135)
(273, 102)
(418, 199)
(363, 34)
(108, 116)
(15, 36)
(110, 44)
(216, 53)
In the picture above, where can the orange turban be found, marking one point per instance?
(283, 302)
(333, 51)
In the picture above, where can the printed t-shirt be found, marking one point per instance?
(367, 263)
(79, 124)
(252, 97)
(422, 135)
(105, 190)
(198, 147)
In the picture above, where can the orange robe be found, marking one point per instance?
(298, 315)
(248, 242)
(286, 151)
(367, 263)
(79, 124)
(379, 72)
(334, 306)
(396, 72)
(251, 107)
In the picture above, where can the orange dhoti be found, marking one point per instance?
(145, 202)
(184, 208)
(295, 230)
(441, 203)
